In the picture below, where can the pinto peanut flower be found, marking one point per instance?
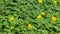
(54, 18)
(29, 26)
(11, 18)
(39, 17)
(55, 2)
(43, 13)
(40, 1)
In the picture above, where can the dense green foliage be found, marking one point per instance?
(25, 12)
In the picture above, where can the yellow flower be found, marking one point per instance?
(39, 17)
(54, 18)
(29, 26)
(54, 2)
(42, 13)
(11, 18)
(40, 1)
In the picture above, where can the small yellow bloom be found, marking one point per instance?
(54, 2)
(54, 18)
(11, 18)
(40, 1)
(29, 26)
(39, 17)
(42, 13)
